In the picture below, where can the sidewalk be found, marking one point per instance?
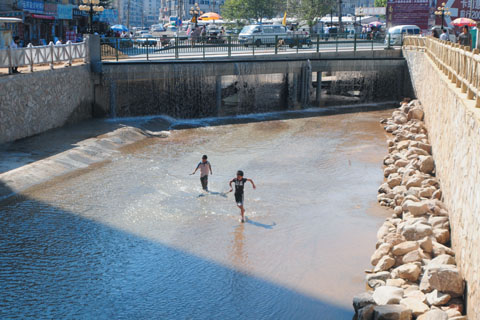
(42, 67)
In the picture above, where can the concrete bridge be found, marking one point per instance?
(122, 86)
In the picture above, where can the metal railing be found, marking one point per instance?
(459, 63)
(49, 54)
(227, 46)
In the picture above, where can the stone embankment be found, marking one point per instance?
(414, 273)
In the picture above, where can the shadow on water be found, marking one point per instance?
(60, 264)
(262, 225)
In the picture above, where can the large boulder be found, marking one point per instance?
(366, 313)
(361, 300)
(392, 312)
(416, 306)
(435, 314)
(384, 264)
(426, 164)
(441, 260)
(439, 249)
(441, 235)
(409, 271)
(394, 180)
(394, 238)
(445, 278)
(382, 250)
(404, 248)
(387, 295)
(415, 113)
(417, 231)
(426, 244)
(413, 256)
(436, 298)
(415, 208)
(414, 181)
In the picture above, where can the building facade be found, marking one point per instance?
(151, 12)
(131, 13)
(44, 21)
(348, 6)
(181, 8)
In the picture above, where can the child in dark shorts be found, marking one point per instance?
(239, 184)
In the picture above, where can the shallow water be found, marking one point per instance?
(135, 237)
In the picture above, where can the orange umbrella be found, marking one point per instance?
(210, 16)
(460, 22)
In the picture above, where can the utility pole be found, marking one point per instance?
(340, 24)
(128, 15)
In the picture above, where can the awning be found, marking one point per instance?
(10, 20)
(41, 16)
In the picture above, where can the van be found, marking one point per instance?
(396, 34)
(262, 34)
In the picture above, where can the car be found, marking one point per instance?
(298, 39)
(450, 32)
(396, 34)
(146, 40)
(262, 34)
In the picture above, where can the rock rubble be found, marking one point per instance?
(414, 274)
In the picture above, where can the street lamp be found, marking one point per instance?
(443, 11)
(91, 6)
(195, 12)
(360, 14)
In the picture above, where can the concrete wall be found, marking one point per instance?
(454, 131)
(32, 103)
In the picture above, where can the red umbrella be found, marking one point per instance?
(375, 24)
(460, 22)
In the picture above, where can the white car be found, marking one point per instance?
(396, 34)
(262, 34)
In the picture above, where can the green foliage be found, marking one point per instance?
(310, 10)
(251, 9)
(380, 3)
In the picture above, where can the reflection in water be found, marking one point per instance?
(131, 239)
(239, 256)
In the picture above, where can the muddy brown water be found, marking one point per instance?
(135, 238)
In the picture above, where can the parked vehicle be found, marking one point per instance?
(298, 39)
(146, 40)
(396, 34)
(450, 32)
(262, 34)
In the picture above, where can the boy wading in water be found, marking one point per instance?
(204, 167)
(239, 184)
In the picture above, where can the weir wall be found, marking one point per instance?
(453, 125)
(35, 102)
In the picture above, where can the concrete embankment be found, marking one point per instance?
(453, 125)
(415, 273)
(92, 151)
(35, 102)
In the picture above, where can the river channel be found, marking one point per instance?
(134, 237)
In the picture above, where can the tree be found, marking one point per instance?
(380, 3)
(251, 9)
(311, 10)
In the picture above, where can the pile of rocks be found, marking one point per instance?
(414, 274)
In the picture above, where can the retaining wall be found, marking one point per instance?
(454, 131)
(32, 103)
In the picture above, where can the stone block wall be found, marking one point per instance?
(454, 131)
(32, 103)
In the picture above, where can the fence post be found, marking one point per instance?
(276, 44)
(51, 54)
(146, 42)
(204, 41)
(298, 42)
(118, 48)
(30, 49)
(229, 46)
(69, 50)
(253, 45)
(336, 43)
(10, 62)
(176, 48)
(318, 42)
(354, 42)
